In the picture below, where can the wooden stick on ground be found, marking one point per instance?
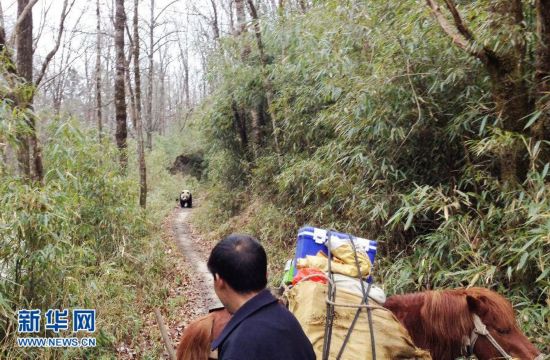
(165, 337)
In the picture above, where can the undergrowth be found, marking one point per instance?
(81, 240)
(378, 127)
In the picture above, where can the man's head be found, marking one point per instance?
(239, 266)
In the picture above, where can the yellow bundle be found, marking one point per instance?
(306, 301)
(343, 262)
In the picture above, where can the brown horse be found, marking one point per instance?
(451, 324)
(439, 321)
(197, 336)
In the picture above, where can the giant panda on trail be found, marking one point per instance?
(186, 199)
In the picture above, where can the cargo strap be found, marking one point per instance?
(365, 301)
(331, 303)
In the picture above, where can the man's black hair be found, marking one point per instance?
(241, 261)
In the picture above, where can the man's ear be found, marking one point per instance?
(219, 281)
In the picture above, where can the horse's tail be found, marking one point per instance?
(195, 340)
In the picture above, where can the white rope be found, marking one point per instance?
(338, 304)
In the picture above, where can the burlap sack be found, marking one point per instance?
(392, 341)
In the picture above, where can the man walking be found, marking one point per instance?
(261, 328)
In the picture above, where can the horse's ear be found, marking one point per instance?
(476, 304)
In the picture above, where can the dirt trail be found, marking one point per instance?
(187, 283)
(195, 258)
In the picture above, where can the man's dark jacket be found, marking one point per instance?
(263, 329)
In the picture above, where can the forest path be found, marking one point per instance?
(195, 254)
(187, 283)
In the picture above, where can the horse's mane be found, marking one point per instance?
(445, 317)
(195, 340)
(197, 337)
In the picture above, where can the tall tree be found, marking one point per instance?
(6, 64)
(506, 70)
(215, 22)
(541, 129)
(98, 104)
(23, 36)
(163, 68)
(184, 59)
(149, 100)
(229, 12)
(120, 92)
(29, 153)
(239, 114)
(137, 117)
(303, 6)
(241, 16)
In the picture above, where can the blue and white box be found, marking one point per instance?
(311, 240)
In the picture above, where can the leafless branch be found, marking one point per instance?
(43, 18)
(66, 62)
(458, 20)
(155, 44)
(164, 9)
(51, 54)
(459, 34)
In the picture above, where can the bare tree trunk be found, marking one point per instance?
(57, 102)
(303, 6)
(2, 28)
(509, 88)
(108, 71)
(88, 111)
(137, 119)
(204, 66)
(149, 103)
(215, 25)
(241, 17)
(256, 130)
(541, 128)
(231, 19)
(30, 154)
(120, 92)
(8, 65)
(281, 7)
(162, 101)
(186, 81)
(99, 118)
(24, 68)
(131, 123)
(505, 68)
(184, 55)
(170, 96)
(239, 123)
